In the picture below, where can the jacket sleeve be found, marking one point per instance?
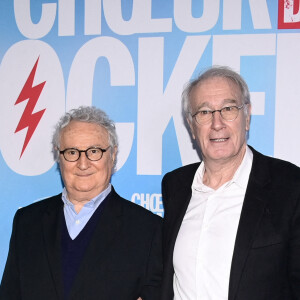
(294, 253)
(164, 193)
(152, 284)
(10, 285)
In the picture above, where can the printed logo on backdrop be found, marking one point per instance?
(151, 202)
(30, 120)
(33, 90)
(289, 14)
(32, 100)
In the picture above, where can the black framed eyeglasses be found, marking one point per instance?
(228, 113)
(92, 153)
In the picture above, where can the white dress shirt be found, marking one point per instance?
(205, 242)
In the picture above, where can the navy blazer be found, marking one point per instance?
(266, 257)
(122, 261)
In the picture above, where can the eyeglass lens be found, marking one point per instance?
(229, 113)
(91, 153)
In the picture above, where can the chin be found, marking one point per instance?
(84, 188)
(220, 154)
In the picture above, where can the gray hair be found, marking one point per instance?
(88, 114)
(215, 71)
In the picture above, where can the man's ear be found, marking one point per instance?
(114, 153)
(57, 154)
(249, 107)
(190, 122)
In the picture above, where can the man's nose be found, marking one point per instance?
(217, 121)
(83, 162)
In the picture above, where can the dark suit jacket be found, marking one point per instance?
(266, 258)
(123, 259)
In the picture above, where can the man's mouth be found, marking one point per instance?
(83, 175)
(219, 140)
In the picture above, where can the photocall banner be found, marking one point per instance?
(132, 58)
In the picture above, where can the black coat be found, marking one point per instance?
(266, 258)
(122, 261)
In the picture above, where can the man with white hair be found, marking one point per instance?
(86, 243)
(232, 222)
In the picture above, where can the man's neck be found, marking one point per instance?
(217, 173)
(79, 199)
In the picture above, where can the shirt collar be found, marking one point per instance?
(92, 203)
(240, 176)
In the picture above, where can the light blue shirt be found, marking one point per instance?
(76, 221)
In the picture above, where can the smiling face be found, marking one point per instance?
(85, 179)
(220, 141)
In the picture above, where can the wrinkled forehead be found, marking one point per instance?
(216, 89)
(78, 130)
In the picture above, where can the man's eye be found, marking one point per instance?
(204, 112)
(71, 152)
(228, 108)
(94, 151)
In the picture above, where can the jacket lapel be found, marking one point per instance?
(185, 195)
(253, 208)
(52, 235)
(178, 204)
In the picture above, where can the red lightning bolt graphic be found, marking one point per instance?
(28, 119)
